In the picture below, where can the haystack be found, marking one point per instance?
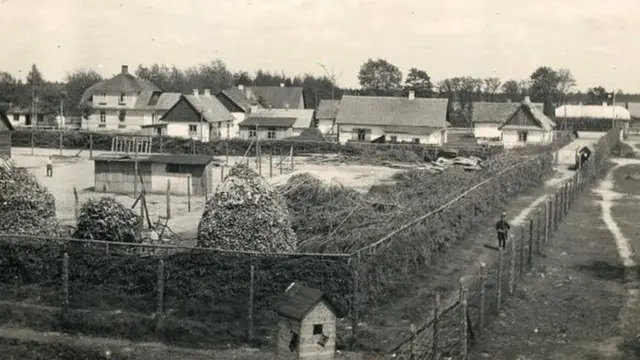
(246, 213)
(107, 219)
(26, 207)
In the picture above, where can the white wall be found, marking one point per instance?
(263, 133)
(134, 119)
(326, 126)
(181, 129)
(486, 131)
(22, 119)
(536, 137)
(349, 132)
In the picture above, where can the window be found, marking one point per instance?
(193, 130)
(293, 344)
(123, 98)
(122, 126)
(362, 135)
(416, 140)
(317, 329)
(104, 99)
(16, 117)
(393, 139)
(271, 133)
(103, 116)
(177, 169)
(252, 134)
(522, 136)
(122, 115)
(153, 117)
(159, 131)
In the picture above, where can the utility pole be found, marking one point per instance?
(333, 79)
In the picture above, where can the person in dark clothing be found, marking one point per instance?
(502, 226)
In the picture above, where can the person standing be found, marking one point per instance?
(502, 226)
(49, 167)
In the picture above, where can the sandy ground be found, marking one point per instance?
(581, 301)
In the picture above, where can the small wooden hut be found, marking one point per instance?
(307, 324)
(117, 174)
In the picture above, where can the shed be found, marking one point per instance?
(307, 324)
(117, 173)
(5, 135)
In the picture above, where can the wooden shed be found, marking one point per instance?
(117, 173)
(307, 324)
(5, 135)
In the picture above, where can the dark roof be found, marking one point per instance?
(161, 158)
(268, 121)
(497, 112)
(538, 116)
(277, 97)
(411, 130)
(303, 118)
(298, 300)
(5, 120)
(309, 134)
(123, 82)
(208, 106)
(18, 110)
(386, 111)
(156, 100)
(239, 98)
(327, 109)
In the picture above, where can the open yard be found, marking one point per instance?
(581, 301)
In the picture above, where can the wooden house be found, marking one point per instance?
(117, 174)
(5, 135)
(307, 325)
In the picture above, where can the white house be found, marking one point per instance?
(398, 119)
(195, 116)
(326, 114)
(276, 124)
(240, 103)
(487, 117)
(527, 125)
(125, 103)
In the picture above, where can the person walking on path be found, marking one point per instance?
(49, 167)
(502, 226)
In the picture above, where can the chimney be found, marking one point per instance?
(286, 106)
(604, 103)
(196, 92)
(527, 100)
(207, 92)
(281, 84)
(125, 69)
(412, 95)
(240, 87)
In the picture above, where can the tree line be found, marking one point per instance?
(378, 77)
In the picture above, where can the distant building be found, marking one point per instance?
(397, 119)
(277, 97)
(22, 116)
(488, 117)
(125, 103)
(592, 117)
(240, 103)
(526, 126)
(276, 124)
(326, 114)
(196, 116)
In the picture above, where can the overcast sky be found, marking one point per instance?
(598, 40)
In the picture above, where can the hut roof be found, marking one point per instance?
(298, 300)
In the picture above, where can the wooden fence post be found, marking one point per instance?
(168, 199)
(76, 205)
(483, 284)
(412, 344)
(512, 267)
(530, 252)
(538, 230)
(161, 145)
(556, 211)
(356, 297)
(221, 173)
(226, 152)
(464, 326)
(33, 141)
(436, 327)
(60, 132)
(90, 146)
(522, 235)
(271, 164)
(251, 287)
(160, 294)
(499, 280)
(189, 193)
(65, 286)
(547, 211)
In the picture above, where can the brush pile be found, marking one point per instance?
(246, 213)
(26, 206)
(108, 220)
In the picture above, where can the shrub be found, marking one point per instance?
(107, 219)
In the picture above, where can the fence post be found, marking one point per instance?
(270, 164)
(60, 143)
(251, 287)
(538, 230)
(512, 267)
(547, 210)
(189, 193)
(522, 235)
(221, 173)
(90, 146)
(483, 284)
(356, 298)
(168, 199)
(436, 320)
(226, 152)
(499, 280)
(556, 211)
(464, 326)
(160, 294)
(161, 145)
(76, 209)
(530, 249)
(32, 142)
(412, 344)
(65, 286)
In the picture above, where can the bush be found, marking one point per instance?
(246, 213)
(26, 206)
(107, 219)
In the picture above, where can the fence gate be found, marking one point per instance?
(131, 144)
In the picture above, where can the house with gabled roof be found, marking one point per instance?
(125, 103)
(275, 124)
(326, 114)
(239, 102)
(394, 119)
(487, 117)
(194, 116)
(277, 97)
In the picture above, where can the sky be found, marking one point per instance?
(597, 40)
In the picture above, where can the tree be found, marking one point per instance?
(420, 82)
(551, 86)
(242, 78)
(491, 87)
(597, 95)
(380, 77)
(566, 83)
(34, 77)
(511, 89)
(75, 85)
(9, 88)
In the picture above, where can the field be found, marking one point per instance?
(581, 301)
